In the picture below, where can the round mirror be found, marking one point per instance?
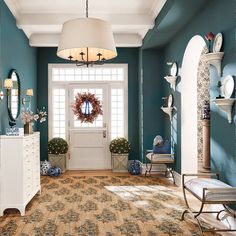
(13, 97)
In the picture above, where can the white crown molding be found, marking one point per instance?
(135, 21)
(51, 40)
(156, 8)
(128, 29)
(14, 7)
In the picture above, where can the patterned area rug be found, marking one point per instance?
(101, 205)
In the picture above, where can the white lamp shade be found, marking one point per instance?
(8, 83)
(79, 34)
(29, 92)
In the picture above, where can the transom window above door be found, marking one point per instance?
(88, 74)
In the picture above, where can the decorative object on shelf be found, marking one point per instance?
(87, 41)
(206, 111)
(210, 37)
(44, 167)
(170, 100)
(226, 105)
(165, 99)
(54, 171)
(169, 108)
(219, 85)
(135, 167)
(172, 77)
(217, 44)
(119, 148)
(57, 149)
(86, 107)
(173, 69)
(28, 118)
(214, 59)
(227, 87)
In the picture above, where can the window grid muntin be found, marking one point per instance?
(117, 112)
(59, 113)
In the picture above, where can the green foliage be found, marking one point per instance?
(120, 145)
(57, 146)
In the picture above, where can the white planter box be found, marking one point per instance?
(58, 161)
(119, 162)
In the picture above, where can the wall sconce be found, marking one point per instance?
(8, 85)
(29, 93)
(1, 95)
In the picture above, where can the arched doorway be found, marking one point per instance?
(190, 105)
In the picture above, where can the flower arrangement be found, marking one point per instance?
(120, 145)
(57, 146)
(210, 38)
(27, 116)
(88, 100)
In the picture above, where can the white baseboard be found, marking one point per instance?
(177, 177)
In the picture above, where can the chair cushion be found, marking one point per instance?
(160, 158)
(196, 186)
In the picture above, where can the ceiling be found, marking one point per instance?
(42, 20)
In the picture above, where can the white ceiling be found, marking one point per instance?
(42, 20)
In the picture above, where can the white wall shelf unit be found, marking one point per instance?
(214, 59)
(168, 111)
(171, 80)
(226, 105)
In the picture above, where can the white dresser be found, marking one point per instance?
(19, 171)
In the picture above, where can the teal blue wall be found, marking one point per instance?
(153, 117)
(216, 16)
(125, 55)
(16, 53)
(147, 66)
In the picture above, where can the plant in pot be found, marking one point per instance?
(120, 148)
(57, 149)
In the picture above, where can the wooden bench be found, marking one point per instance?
(208, 191)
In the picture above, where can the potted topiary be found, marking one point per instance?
(120, 148)
(57, 149)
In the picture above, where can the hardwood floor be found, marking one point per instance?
(95, 173)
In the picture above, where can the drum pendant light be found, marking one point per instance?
(86, 41)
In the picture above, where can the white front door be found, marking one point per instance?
(89, 146)
(89, 143)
